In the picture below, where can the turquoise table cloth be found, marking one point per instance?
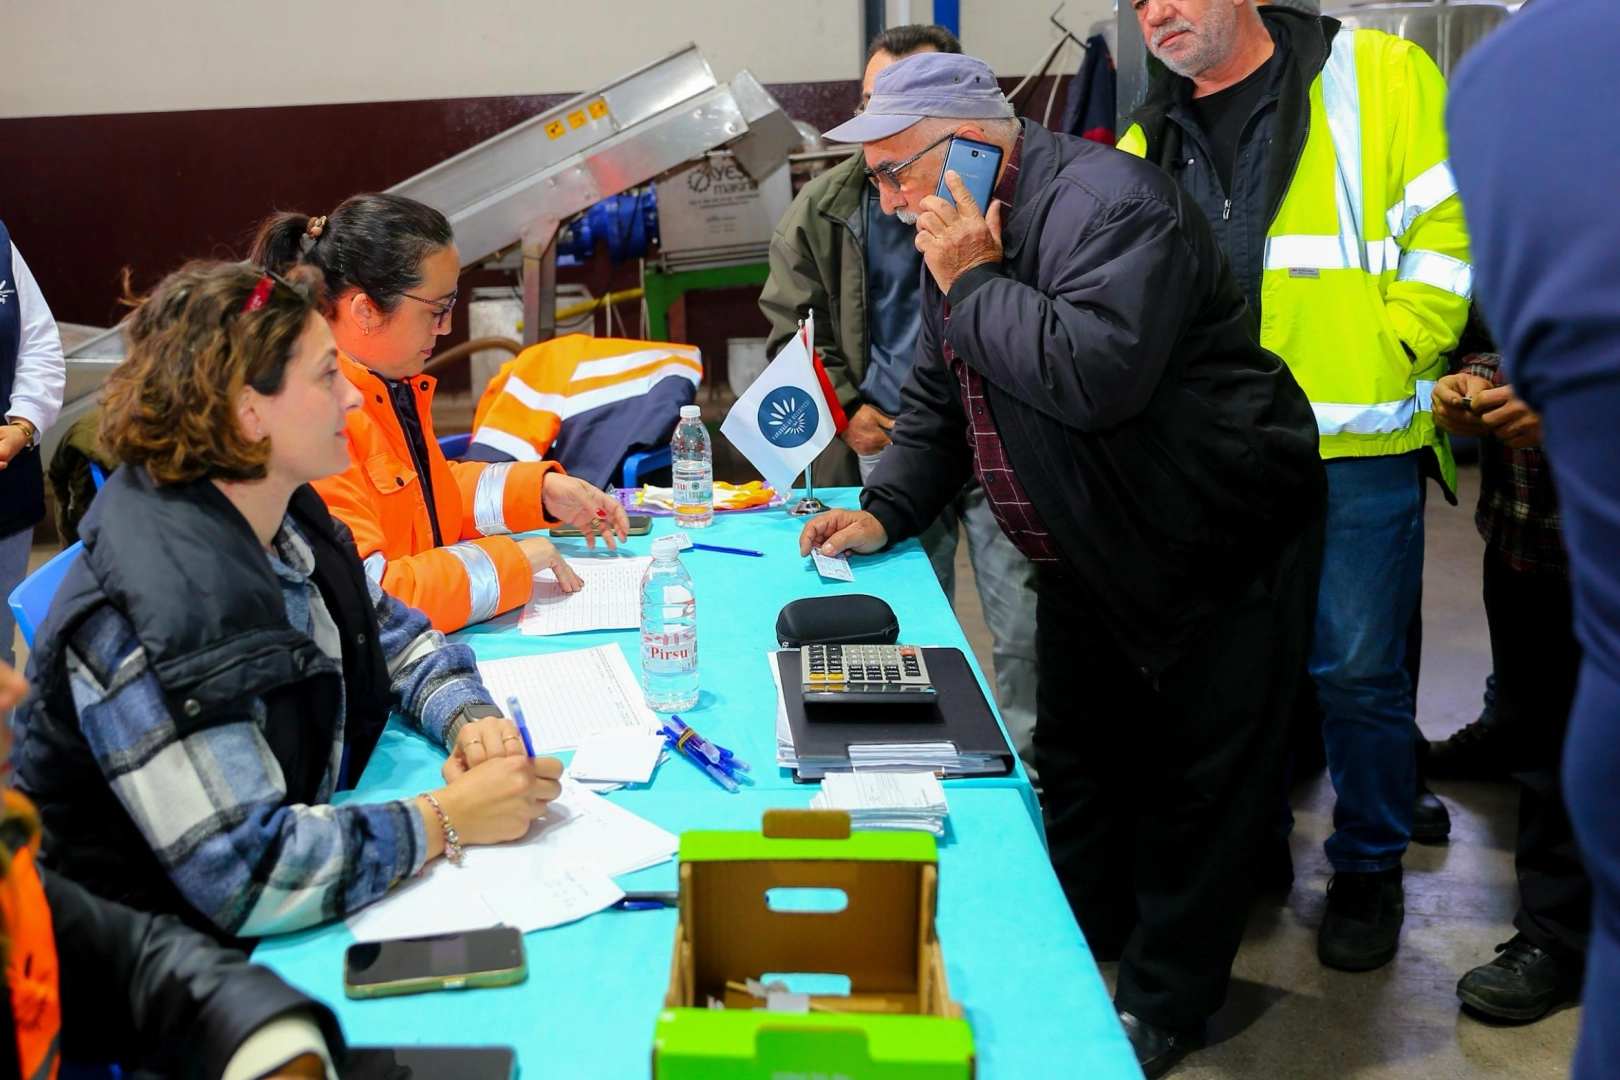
(1014, 955)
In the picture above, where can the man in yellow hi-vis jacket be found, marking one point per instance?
(1319, 155)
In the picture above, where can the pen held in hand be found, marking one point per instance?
(516, 711)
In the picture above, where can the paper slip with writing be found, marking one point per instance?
(568, 695)
(624, 757)
(561, 871)
(834, 567)
(886, 800)
(609, 600)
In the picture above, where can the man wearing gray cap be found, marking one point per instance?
(1085, 352)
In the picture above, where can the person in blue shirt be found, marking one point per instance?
(1535, 141)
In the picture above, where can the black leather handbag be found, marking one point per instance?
(853, 619)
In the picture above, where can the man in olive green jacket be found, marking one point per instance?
(836, 254)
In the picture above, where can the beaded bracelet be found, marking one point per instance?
(452, 842)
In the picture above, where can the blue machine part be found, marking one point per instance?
(626, 223)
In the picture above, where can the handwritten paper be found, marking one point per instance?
(560, 871)
(609, 600)
(568, 695)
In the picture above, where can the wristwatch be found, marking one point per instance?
(475, 710)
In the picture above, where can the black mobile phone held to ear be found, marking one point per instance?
(431, 1063)
(977, 164)
(492, 957)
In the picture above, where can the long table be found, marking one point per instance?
(1014, 955)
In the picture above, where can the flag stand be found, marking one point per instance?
(808, 505)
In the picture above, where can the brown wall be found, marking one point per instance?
(86, 196)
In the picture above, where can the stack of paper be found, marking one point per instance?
(617, 757)
(569, 695)
(886, 800)
(939, 757)
(609, 600)
(561, 871)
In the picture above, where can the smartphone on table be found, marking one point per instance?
(977, 164)
(640, 525)
(492, 957)
(431, 1063)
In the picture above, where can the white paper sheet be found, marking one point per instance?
(625, 757)
(610, 599)
(532, 883)
(568, 695)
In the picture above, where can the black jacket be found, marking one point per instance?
(1170, 457)
(143, 990)
(185, 568)
(1268, 151)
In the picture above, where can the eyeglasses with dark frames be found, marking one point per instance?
(441, 308)
(891, 173)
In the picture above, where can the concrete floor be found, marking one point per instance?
(1287, 1016)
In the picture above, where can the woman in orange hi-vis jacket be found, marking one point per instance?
(434, 533)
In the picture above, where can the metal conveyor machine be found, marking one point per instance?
(517, 188)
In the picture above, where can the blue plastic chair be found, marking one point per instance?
(455, 445)
(32, 599)
(644, 462)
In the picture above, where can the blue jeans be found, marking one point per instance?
(1372, 577)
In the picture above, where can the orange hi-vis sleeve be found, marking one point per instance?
(525, 404)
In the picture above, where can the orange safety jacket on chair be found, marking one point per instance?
(480, 571)
(32, 971)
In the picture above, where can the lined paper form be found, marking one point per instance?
(610, 600)
(561, 871)
(568, 695)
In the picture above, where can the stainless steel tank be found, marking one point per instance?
(1445, 31)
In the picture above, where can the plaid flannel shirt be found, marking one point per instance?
(1009, 502)
(210, 804)
(1518, 505)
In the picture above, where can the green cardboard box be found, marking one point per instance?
(897, 1020)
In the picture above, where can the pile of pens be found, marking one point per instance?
(721, 765)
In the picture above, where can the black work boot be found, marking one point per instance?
(1480, 751)
(1157, 1048)
(1362, 927)
(1431, 821)
(1522, 983)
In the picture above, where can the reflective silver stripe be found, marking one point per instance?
(1423, 194)
(375, 564)
(1341, 99)
(1382, 418)
(489, 500)
(1328, 253)
(483, 583)
(49, 1060)
(1441, 271)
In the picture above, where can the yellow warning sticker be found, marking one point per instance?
(576, 119)
(556, 129)
(597, 109)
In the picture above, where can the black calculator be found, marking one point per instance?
(838, 674)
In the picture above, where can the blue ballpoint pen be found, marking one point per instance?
(516, 710)
(729, 550)
(689, 752)
(712, 752)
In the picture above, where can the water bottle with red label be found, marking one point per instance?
(669, 662)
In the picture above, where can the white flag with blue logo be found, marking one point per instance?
(784, 419)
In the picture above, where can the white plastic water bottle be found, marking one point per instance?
(692, 462)
(669, 660)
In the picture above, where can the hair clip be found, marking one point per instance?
(316, 226)
(260, 294)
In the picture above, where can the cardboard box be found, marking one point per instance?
(897, 1019)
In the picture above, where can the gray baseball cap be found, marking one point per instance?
(922, 86)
